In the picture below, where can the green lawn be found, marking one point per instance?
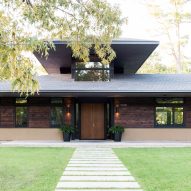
(159, 169)
(32, 169)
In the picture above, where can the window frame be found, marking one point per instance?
(52, 105)
(21, 105)
(173, 106)
(74, 69)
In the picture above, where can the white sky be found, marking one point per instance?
(142, 25)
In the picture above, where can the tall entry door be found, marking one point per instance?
(92, 121)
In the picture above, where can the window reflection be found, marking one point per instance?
(169, 116)
(21, 112)
(91, 71)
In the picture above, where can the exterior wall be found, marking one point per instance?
(39, 116)
(138, 114)
(9, 134)
(39, 124)
(157, 134)
(135, 112)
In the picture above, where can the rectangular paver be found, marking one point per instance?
(97, 189)
(96, 173)
(93, 162)
(97, 178)
(95, 165)
(98, 185)
(96, 169)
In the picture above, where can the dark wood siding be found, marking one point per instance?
(135, 112)
(39, 116)
(7, 118)
(38, 112)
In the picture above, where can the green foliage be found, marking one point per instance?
(116, 129)
(171, 20)
(30, 26)
(67, 129)
(153, 66)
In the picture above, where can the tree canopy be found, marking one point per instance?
(31, 26)
(171, 18)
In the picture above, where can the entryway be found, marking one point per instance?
(92, 121)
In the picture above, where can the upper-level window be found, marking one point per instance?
(57, 113)
(91, 71)
(169, 112)
(21, 112)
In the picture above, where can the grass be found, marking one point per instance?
(32, 169)
(159, 169)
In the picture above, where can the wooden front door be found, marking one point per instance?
(92, 121)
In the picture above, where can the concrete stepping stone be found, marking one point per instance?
(96, 173)
(93, 162)
(111, 185)
(98, 189)
(96, 169)
(95, 165)
(97, 178)
(94, 157)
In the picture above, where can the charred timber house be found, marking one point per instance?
(93, 97)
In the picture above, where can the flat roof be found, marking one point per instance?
(130, 55)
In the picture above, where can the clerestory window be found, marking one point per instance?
(91, 71)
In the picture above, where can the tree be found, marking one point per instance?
(30, 26)
(171, 18)
(153, 66)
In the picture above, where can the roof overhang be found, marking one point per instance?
(101, 94)
(130, 55)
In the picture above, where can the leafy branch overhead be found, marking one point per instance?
(30, 26)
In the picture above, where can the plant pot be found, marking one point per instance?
(66, 137)
(117, 137)
(73, 136)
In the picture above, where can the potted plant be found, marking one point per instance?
(117, 131)
(67, 130)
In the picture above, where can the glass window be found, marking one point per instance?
(169, 112)
(81, 65)
(21, 112)
(91, 71)
(56, 100)
(21, 117)
(178, 115)
(164, 116)
(57, 113)
(169, 100)
(57, 116)
(20, 101)
(92, 75)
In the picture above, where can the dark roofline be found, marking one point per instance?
(120, 41)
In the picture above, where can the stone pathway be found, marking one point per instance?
(101, 144)
(96, 169)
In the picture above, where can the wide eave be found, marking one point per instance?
(130, 55)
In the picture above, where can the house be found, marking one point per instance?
(93, 97)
